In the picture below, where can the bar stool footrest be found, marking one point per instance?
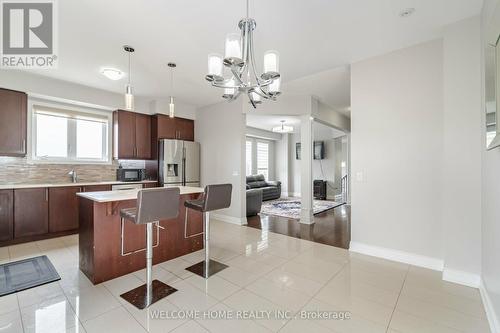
(138, 296)
(213, 268)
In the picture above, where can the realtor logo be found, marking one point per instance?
(28, 34)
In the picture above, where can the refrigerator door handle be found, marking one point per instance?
(184, 166)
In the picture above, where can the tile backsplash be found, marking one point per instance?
(17, 170)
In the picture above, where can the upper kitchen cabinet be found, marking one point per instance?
(13, 109)
(164, 127)
(132, 135)
(173, 128)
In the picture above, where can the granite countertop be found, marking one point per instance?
(123, 195)
(16, 186)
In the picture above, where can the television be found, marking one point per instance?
(319, 150)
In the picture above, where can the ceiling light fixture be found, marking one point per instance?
(112, 74)
(283, 128)
(171, 105)
(129, 97)
(407, 12)
(239, 59)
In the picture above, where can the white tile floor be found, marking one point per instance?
(267, 272)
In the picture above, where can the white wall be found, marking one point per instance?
(31, 83)
(461, 196)
(41, 85)
(396, 150)
(490, 200)
(334, 118)
(220, 129)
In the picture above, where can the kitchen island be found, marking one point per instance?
(100, 234)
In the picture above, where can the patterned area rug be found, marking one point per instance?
(290, 208)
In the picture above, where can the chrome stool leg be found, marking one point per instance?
(153, 290)
(207, 267)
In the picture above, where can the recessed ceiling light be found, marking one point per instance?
(112, 74)
(407, 12)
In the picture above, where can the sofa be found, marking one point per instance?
(254, 201)
(270, 190)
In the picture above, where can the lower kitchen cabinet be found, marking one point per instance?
(63, 208)
(31, 212)
(6, 215)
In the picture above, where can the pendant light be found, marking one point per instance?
(283, 128)
(171, 105)
(129, 97)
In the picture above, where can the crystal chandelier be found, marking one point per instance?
(239, 60)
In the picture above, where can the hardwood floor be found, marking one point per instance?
(332, 227)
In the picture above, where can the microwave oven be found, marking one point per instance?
(130, 175)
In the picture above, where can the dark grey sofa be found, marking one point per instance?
(254, 201)
(270, 190)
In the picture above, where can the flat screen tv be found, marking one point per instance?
(319, 150)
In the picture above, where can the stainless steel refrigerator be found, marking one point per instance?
(179, 163)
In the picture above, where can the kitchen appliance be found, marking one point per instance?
(124, 187)
(130, 175)
(179, 163)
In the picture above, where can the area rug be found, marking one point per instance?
(290, 208)
(25, 274)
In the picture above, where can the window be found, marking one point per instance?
(248, 157)
(68, 136)
(263, 158)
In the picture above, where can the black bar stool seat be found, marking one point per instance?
(215, 197)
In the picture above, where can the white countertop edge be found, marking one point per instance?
(123, 195)
(18, 186)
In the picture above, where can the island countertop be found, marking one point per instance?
(123, 195)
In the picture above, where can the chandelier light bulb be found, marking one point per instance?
(275, 86)
(215, 64)
(229, 91)
(271, 61)
(233, 46)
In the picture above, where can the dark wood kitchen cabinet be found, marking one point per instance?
(63, 208)
(6, 215)
(13, 109)
(132, 135)
(164, 127)
(31, 212)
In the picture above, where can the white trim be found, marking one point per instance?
(488, 307)
(461, 277)
(79, 107)
(229, 219)
(294, 194)
(399, 256)
(68, 101)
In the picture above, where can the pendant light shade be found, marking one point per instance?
(171, 105)
(129, 97)
(171, 108)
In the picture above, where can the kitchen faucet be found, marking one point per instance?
(73, 175)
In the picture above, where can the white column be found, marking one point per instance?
(306, 185)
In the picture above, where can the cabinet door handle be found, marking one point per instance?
(46, 194)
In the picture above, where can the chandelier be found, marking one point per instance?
(239, 60)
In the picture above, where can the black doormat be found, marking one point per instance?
(25, 274)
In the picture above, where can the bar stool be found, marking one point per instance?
(153, 205)
(215, 197)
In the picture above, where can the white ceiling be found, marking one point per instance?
(312, 36)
